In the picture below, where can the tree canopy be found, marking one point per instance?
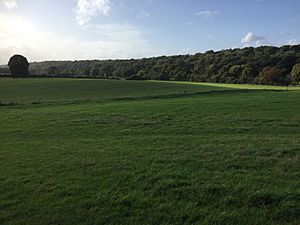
(295, 74)
(261, 65)
(18, 66)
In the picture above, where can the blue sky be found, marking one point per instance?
(103, 29)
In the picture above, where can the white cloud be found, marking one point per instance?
(185, 51)
(207, 13)
(142, 14)
(281, 33)
(86, 9)
(293, 42)
(10, 4)
(251, 38)
(112, 41)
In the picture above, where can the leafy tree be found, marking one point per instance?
(236, 72)
(4, 71)
(272, 76)
(18, 66)
(108, 70)
(295, 74)
(52, 71)
(128, 72)
(95, 72)
(247, 75)
(212, 69)
(227, 66)
(141, 74)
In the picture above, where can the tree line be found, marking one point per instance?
(262, 65)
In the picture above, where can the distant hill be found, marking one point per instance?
(261, 65)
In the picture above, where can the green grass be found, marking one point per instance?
(147, 153)
(246, 86)
(70, 90)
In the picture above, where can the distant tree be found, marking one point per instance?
(52, 71)
(163, 76)
(226, 66)
(295, 74)
(235, 72)
(212, 70)
(287, 61)
(141, 74)
(95, 72)
(4, 71)
(18, 66)
(85, 72)
(247, 74)
(128, 72)
(272, 76)
(108, 71)
(225, 75)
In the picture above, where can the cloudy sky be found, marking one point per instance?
(103, 29)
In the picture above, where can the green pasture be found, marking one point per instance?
(142, 152)
(70, 90)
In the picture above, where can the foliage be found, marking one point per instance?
(4, 71)
(52, 71)
(95, 72)
(273, 76)
(18, 66)
(295, 74)
(242, 66)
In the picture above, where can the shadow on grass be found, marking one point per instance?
(137, 98)
(183, 95)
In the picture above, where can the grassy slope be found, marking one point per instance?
(240, 86)
(69, 90)
(218, 158)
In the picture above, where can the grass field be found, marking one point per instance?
(125, 152)
(74, 90)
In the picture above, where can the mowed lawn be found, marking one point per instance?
(128, 152)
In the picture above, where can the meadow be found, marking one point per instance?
(75, 151)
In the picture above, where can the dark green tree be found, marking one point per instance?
(141, 74)
(225, 66)
(247, 75)
(108, 71)
(52, 71)
(95, 72)
(18, 66)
